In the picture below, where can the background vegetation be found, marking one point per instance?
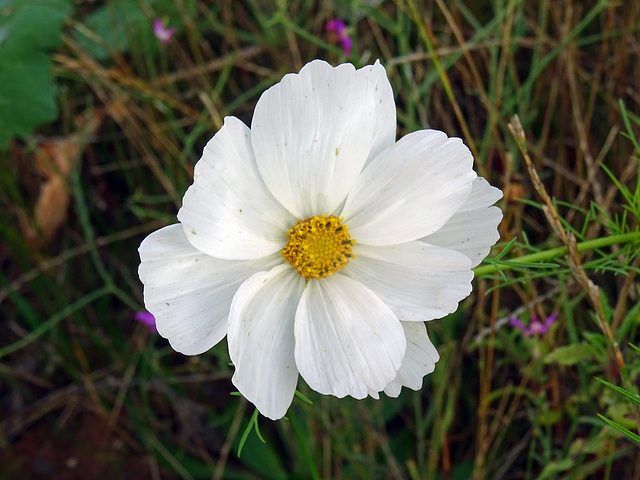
(100, 126)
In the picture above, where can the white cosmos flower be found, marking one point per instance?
(318, 245)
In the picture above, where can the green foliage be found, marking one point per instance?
(252, 426)
(571, 354)
(121, 25)
(635, 412)
(625, 431)
(29, 30)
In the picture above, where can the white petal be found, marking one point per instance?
(261, 339)
(228, 212)
(313, 132)
(348, 342)
(410, 189)
(473, 229)
(417, 280)
(420, 359)
(385, 129)
(188, 292)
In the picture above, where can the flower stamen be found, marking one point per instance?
(318, 246)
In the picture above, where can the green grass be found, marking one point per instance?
(88, 392)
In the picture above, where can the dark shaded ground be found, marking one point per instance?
(87, 451)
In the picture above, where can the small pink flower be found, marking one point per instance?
(148, 319)
(535, 327)
(339, 28)
(163, 33)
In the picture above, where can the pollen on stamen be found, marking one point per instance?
(318, 246)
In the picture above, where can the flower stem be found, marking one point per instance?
(547, 255)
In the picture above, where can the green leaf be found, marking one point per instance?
(630, 395)
(303, 397)
(553, 468)
(549, 417)
(621, 429)
(116, 25)
(259, 455)
(29, 29)
(570, 354)
(253, 425)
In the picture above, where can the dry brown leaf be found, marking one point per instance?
(54, 161)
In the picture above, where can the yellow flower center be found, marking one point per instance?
(318, 246)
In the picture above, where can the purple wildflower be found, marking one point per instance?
(338, 27)
(163, 33)
(535, 327)
(148, 319)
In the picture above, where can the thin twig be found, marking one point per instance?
(568, 239)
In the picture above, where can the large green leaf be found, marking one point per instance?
(29, 29)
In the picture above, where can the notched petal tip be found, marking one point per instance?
(261, 339)
(410, 190)
(419, 360)
(473, 229)
(348, 342)
(434, 279)
(313, 132)
(188, 292)
(228, 211)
